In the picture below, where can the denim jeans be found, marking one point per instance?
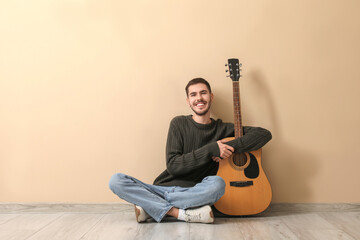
(158, 200)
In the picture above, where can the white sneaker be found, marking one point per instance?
(141, 215)
(202, 214)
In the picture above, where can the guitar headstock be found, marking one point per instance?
(234, 68)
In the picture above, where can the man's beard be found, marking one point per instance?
(204, 112)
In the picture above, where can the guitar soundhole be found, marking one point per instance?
(239, 159)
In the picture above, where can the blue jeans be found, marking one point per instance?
(158, 200)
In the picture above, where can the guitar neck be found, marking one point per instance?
(237, 110)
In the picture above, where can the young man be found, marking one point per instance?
(188, 186)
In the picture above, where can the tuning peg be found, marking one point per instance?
(226, 65)
(228, 76)
(226, 70)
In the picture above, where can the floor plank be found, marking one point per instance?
(25, 225)
(222, 228)
(264, 228)
(311, 226)
(349, 222)
(68, 226)
(6, 217)
(114, 226)
(168, 229)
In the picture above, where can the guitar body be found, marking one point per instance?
(247, 190)
(251, 190)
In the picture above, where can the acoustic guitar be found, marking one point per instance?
(247, 190)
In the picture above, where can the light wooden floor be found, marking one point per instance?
(117, 221)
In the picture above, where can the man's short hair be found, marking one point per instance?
(196, 81)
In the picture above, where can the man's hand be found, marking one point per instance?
(216, 159)
(225, 151)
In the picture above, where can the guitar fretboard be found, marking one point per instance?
(237, 110)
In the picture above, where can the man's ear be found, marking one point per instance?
(212, 96)
(188, 101)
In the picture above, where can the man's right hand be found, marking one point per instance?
(225, 150)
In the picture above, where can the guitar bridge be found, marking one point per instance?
(241, 183)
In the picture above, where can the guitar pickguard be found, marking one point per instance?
(252, 171)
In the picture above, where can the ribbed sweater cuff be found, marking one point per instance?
(214, 149)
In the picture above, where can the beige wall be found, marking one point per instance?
(87, 89)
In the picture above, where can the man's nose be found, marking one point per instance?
(199, 98)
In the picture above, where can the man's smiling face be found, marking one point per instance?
(199, 99)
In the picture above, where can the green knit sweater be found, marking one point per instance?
(191, 145)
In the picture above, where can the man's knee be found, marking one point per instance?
(217, 184)
(216, 181)
(117, 181)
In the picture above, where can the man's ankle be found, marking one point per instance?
(174, 212)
